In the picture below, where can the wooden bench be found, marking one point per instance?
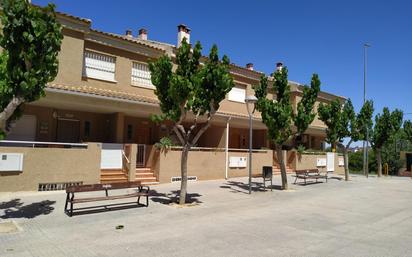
(310, 174)
(143, 191)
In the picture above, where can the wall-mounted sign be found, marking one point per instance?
(321, 162)
(44, 127)
(237, 162)
(11, 162)
(341, 162)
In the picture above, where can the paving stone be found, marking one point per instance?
(362, 217)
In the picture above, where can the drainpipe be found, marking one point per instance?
(227, 148)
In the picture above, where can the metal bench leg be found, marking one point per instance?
(138, 200)
(67, 202)
(296, 178)
(264, 184)
(271, 184)
(71, 205)
(147, 197)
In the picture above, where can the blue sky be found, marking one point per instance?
(319, 36)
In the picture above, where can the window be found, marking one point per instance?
(141, 75)
(237, 94)
(87, 128)
(99, 66)
(129, 132)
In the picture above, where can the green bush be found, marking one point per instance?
(356, 162)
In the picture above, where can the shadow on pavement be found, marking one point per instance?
(240, 187)
(16, 209)
(106, 208)
(173, 197)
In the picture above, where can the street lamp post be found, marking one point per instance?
(250, 101)
(365, 142)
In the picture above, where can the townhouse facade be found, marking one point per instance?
(100, 104)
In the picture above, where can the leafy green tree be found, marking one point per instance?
(191, 89)
(30, 41)
(407, 128)
(278, 114)
(342, 122)
(386, 125)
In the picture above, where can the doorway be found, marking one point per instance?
(143, 135)
(68, 130)
(408, 161)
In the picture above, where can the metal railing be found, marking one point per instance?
(125, 161)
(38, 144)
(141, 156)
(218, 149)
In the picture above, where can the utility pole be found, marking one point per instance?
(365, 142)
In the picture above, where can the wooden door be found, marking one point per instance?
(234, 140)
(68, 131)
(143, 135)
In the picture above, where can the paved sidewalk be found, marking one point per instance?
(362, 217)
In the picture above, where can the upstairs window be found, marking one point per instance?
(99, 66)
(237, 94)
(141, 75)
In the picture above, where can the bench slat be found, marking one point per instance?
(99, 187)
(114, 197)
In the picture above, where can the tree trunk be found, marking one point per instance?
(282, 166)
(379, 161)
(346, 163)
(8, 112)
(183, 169)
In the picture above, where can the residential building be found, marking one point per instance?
(103, 94)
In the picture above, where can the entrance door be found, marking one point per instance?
(330, 162)
(408, 161)
(234, 140)
(143, 135)
(68, 131)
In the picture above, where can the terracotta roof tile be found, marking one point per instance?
(74, 17)
(126, 96)
(104, 92)
(126, 39)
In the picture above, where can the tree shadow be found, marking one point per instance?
(16, 209)
(173, 197)
(240, 187)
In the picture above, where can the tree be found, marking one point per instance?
(342, 122)
(407, 128)
(191, 89)
(31, 40)
(278, 114)
(386, 125)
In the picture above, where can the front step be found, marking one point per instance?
(145, 175)
(143, 170)
(113, 176)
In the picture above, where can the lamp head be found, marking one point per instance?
(250, 101)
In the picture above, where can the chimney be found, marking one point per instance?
(279, 66)
(129, 33)
(142, 34)
(182, 32)
(249, 66)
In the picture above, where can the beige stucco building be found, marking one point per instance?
(103, 94)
